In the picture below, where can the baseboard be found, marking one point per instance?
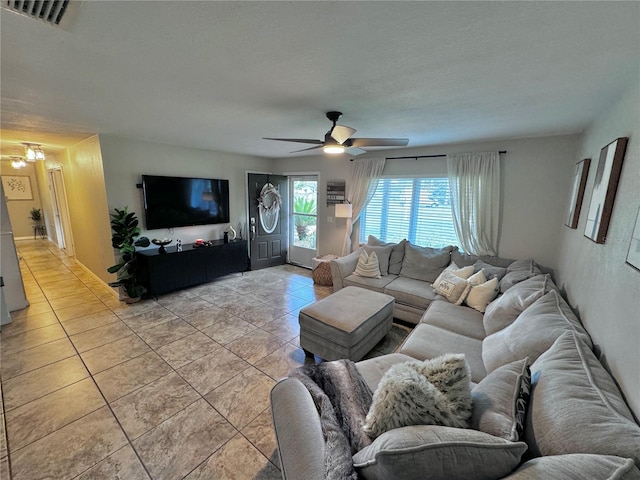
(97, 278)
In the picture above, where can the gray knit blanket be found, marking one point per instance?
(342, 398)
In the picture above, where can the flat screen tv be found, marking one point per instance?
(183, 202)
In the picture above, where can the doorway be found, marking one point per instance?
(303, 219)
(268, 219)
(61, 221)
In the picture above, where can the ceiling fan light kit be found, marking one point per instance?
(338, 140)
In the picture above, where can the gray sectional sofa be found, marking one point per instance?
(575, 423)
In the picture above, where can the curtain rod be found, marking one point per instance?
(502, 152)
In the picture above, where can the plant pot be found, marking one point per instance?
(123, 296)
(302, 231)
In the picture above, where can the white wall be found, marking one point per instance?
(126, 160)
(599, 284)
(536, 175)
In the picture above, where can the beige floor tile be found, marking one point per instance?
(114, 353)
(187, 349)
(228, 328)
(32, 338)
(286, 327)
(90, 321)
(208, 317)
(152, 317)
(187, 306)
(166, 333)
(212, 370)
(126, 310)
(288, 303)
(262, 314)
(64, 289)
(279, 363)
(71, 450)
(72, 300)
(44, 415)
(76, 311)
(243, 398)
(35, 308)
(178, 445)
(142, 410)
(236, 459)
(121, 465)
(99, 336)
(32, 322)
(25, 361)
(255, 345)
(123, 379)
(261, 434)
(37, 383)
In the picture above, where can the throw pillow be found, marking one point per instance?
(481, 295)
(368, 265)
(517, 272)
(433, 392)
(464, 272)
(451, 287)
(383, 254)
(578, 466)
(424, 263)
(477, 278)
(397, 253)
(500, 401)
(490, 271)
(431, 452)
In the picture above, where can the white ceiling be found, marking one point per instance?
(222, 75)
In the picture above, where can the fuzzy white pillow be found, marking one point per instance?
(368, 265)
(433, 392)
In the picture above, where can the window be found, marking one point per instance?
(417, 209)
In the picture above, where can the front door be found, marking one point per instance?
(268, 219)
(303, 220)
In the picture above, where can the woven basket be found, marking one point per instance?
(321, 273)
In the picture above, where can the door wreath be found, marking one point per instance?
(269, 207)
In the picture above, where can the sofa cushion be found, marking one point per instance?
(433, 392)
(397, 253)
(424, 263)
(452, 287)
(427, 341)
(433, 452)
(383, 254)
(500, 401)
(464, 259)
(503, 311)
(368, 265)
(519, 271)
(455, 318)
(576, 407)
(375, 284)
(533, 332)
(577, 466)
(410, 291)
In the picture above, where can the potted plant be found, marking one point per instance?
(302, 207)
(124, 226)
(36, 216)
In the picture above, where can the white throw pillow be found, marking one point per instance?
(477, 278)
(368, 265)
(481, 295)
(451, 287)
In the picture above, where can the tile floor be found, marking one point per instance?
(176, 388)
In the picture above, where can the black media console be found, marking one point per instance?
(167, 272)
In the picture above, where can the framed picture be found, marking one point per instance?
(633, 255)
(604, 190)
(17, 187)
(577, 193)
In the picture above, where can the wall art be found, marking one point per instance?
(577, 193)
(633, 255)
(604, 190)
(17, 187)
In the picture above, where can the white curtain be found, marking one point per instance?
(364, 172)
(474, 182)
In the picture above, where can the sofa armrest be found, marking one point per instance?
(342, 267)
(298, 432)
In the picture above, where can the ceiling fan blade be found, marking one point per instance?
(341, 133)
(297, 140)
(305, 149)
(355, 151)
(379, 142)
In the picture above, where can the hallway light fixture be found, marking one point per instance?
(18, 162)
(33, 151)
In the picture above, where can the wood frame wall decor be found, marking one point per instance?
(17, 187)
(604, 190)
(577, 193)
(633, 255)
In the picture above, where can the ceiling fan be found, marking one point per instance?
(338, 140)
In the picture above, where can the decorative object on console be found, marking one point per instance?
(604, 190)
(577, 193)
(633, 255)
(233, 233)
(162, 242)
(178, 245)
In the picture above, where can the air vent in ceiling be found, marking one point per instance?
(51, 11)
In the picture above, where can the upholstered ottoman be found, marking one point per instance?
(346, 324)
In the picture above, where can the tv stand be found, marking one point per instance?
(167, 272)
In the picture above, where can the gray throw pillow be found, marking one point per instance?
(490, 271)
(519, 271)
(433, 392)
(577, 466)
(397, 253)
(424, 263)
(431, 452)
